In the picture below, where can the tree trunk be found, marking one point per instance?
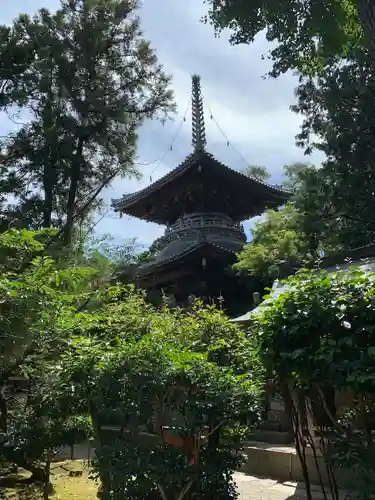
(48, 200)
(366, 11)
(47, 474)
(49, 167)
(3, 411)
(214, 437)
(74, 179)
(104, 477)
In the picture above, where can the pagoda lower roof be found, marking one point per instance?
(199, 250)
(201, 181)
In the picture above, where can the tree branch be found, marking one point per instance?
(185, 490)
(162, 492)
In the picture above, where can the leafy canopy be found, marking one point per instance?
(323, 41)
(42, 304)
(194, 376)
(337, 108)
(308, 227)
(321, 329)
(317, 339)
(277, 245)
(306, 35)
(257, 172)
(90, 82)
(38, 305)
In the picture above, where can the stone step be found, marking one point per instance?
(272, 436)
(274, 426)
(276, 405)
(280, 462)
(277, 416)
(270, 426)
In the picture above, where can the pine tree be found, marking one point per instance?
(91, 82)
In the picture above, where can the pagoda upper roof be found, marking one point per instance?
(201, 178)
(201, 183)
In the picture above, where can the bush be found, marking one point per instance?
(180, 404)
(317, 338)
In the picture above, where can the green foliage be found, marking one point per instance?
(194, 375)
(297, 175)
(323, 40)
(278, 245)
(337, 108)
(125, 315)
(307, 35)
(38, 434)
(315, 202)
(304, 229)
(287, 237)
(36, 304)
(352, 451)
(109, 259)
(39, 312)
(90, 82)
(321, 328)
(257, 172)
(319, 335)
(149, 374)
(149, 254)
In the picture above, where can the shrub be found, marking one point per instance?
(179, 392)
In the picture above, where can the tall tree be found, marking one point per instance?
(91, 81)
(296, 174)
(337, 108)
(324, 41)
(303, 230)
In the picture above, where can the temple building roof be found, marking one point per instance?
(205, 247)
(362, 258)
(201, 183)
(202, 202)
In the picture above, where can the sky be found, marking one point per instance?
(252, 112)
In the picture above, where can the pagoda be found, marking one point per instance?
(202, 203)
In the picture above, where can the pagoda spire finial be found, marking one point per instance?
(198, 127)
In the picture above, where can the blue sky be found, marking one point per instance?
(252, 112)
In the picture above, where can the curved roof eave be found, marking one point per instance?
(149, 267)
(128, 199)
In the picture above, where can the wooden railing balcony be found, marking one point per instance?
(213, 226)
(203, 220)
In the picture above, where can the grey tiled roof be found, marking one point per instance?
(152, 264)
(367, 266)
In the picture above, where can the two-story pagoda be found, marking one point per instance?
(202, 203)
